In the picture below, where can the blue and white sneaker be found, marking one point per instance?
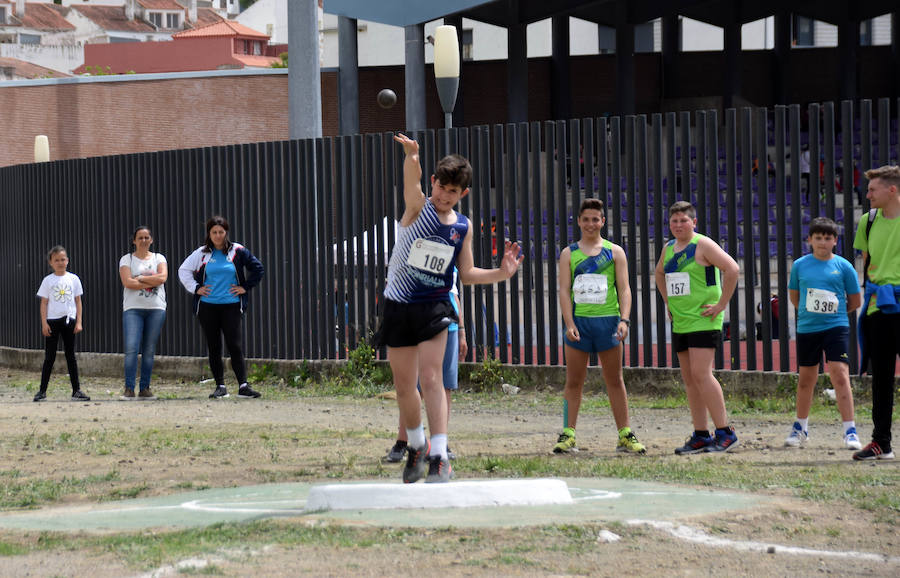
(851, 439)
(798, 436)
(726, 440)
(695, 445)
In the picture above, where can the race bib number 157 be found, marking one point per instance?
(678, 284)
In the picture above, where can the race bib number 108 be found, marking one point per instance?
(430, 256)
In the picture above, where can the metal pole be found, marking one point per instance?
(304, 82)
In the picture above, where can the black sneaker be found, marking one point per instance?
(40, 396)
(80, 396)
(416, 460)
(395, 454)
(450, 454)
(439, 470)
(219, 393)
(873, 451)
(246, 391)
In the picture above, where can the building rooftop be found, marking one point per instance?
(113, 18)
(23, 69)
(160, 4)
(222, 28)
(39, 16)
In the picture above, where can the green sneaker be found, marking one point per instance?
(566, 442)
(628, 442)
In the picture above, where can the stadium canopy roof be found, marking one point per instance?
(499, 13)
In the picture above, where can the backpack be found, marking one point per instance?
(872, 213)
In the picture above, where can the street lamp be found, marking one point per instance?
(446, 69)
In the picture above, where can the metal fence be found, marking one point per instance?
(320, 214)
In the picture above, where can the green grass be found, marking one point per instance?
(31, 492)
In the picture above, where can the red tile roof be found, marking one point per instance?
(113, 18)
(223, 28)
(40, 17)
(28, 70)
(256, 61)
(207, 16)
(160, 4)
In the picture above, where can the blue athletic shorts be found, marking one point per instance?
(834, 343)
(597, 334)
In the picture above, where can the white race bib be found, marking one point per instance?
(678, 284)
(430, 256)
(590, 288)
(821, 301)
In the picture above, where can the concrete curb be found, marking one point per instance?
(639, 380)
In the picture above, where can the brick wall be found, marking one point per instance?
(105, 116)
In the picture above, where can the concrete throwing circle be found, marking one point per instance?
(589, 499)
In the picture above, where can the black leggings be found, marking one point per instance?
(60, 327)
(883, 342)
(223, 321)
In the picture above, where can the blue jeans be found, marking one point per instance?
(141, 328)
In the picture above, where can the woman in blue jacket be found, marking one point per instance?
(219, 274)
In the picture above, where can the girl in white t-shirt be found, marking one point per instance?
(60, 294)
(143, 275)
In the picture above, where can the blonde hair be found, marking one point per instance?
(890, 174)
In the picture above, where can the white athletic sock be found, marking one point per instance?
(416, 437)
(439, 445)
(804, 423)
(849, 424)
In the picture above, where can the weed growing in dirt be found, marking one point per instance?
(489, 375)
(262, 373)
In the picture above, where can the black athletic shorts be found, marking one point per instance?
(834, 342)
(409, 324)
(702, 339)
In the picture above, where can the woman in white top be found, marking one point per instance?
(143, 276)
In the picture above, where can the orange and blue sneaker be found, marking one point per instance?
(439, 470)
(416, 461)
(726, 440)
(696, 444)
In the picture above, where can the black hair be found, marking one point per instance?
(824, 226)
(212, 222)
(454, 170)
(683, 207)
(591, 203)
(54, 250)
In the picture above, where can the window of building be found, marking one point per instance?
(804, 31)
(257, 48)
(155, 19)
(2, 14)
(467, 51)
(173, 21)
(865, 33)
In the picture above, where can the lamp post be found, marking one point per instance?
(446, 69)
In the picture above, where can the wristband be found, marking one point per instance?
(626, 322)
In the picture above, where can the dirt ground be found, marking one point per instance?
(185, 441)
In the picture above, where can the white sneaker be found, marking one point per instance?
(851, 440)
(797, 436)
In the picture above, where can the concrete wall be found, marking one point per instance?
(640, 381)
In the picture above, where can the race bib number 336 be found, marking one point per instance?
(821, 301)
(430, 256)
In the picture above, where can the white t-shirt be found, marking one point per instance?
(149, 297)
(60, 292)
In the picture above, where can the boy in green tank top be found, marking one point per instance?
(595, 301)
(688, 280)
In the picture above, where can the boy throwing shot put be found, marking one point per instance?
(595, 301)
(432, 239)
(824, 289)
(688, 280)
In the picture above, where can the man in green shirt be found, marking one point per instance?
(879, 242)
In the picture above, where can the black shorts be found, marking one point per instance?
(700, 339)
(409, 324)
(834, 342)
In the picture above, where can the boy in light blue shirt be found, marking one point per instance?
(823, 288)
